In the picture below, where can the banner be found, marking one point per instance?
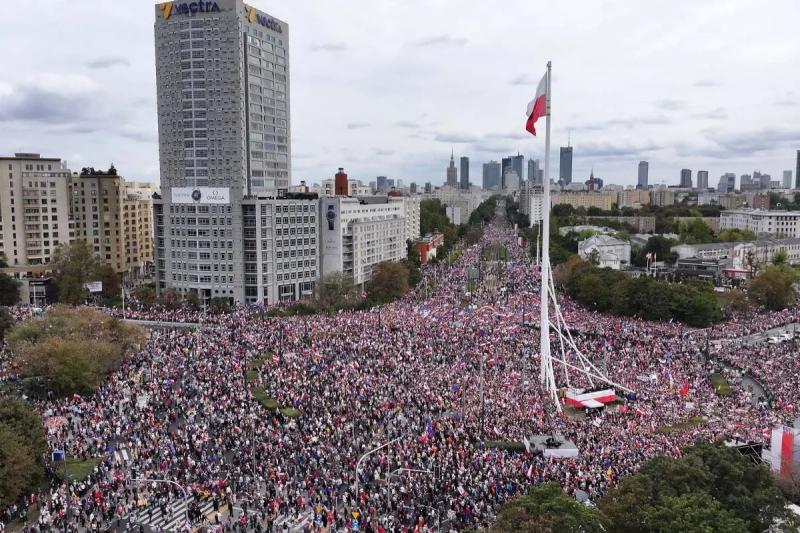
(201, 195)
(94, 286)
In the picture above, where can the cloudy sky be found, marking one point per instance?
(391, 86)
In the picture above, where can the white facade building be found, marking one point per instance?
(358, 233)
(354, 188)
(411, 205)
(531, 202)
(774, 223)
(611, 252)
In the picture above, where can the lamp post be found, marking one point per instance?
(358, 464)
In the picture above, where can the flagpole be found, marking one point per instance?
(544, 328)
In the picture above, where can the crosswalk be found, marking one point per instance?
(295, 524)
(173, 520)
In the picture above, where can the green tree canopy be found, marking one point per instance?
(772, 288)
(336, 291)
(71, 350)
(22, 443)
(710, 484)
(546, 509)
(73, 265)
(390, 281)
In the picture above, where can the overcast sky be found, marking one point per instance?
(389, 87)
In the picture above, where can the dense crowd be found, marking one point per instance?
(443, 378)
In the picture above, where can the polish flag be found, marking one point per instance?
(538, 106)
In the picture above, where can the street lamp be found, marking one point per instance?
(358, 464)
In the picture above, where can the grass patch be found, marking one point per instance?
(721, 385)
(261, 397)
(688, 424)
(509, 445)
(252, 376)
(78, 469)
(291, 412)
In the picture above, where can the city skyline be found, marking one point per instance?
(63, 98)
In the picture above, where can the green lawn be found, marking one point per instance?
(512, 446)
(291, 412)
(78, 469)
(694, 421)
(721, 385)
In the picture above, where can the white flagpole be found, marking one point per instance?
(544, 329)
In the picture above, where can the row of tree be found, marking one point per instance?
(22, 446)
(709, 488)
(694, 303)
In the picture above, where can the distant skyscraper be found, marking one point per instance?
(517, 165)
(491, 175)
(413, 187)
(464, 172)
(787, 179)
(727, 183)
(686, 178)
(389, 183)
(644, 170)
(505, 163)
(565, 166)
(382, 183)
(452, 173)
(428, 187)
(533, 171)
(797, 172)
(702, 180)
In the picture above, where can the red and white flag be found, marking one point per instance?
(538, 106)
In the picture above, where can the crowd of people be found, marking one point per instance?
(408, 413)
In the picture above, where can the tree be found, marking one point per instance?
(695, 232)
(546, 509)
(336, 291)
(734, 235)
(772, 288)
(145, 294)
(112, 281)
(6, 321)
(709, 484)
(73, 265)
(734, 301)
(22, 444)
(70, 350)
(780, 257)
(389, 282)
(9, 290)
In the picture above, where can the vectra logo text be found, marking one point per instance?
(188, 8)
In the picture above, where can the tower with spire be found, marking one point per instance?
(452, 171)
(592, 183)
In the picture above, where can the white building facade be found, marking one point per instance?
(609, 252)
(779, 224)
(356, 234)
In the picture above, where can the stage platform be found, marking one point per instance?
(567, 448)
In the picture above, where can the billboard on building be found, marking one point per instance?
(94, 286)
(331, 236)
(201, 195)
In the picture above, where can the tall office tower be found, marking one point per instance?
(533, 172)
(797, 172)
(382, 183)
(491, 175)
(565, 165)
(389, 183)
(727, 183)
(222, 77)
(518, 165)
(787, 179)
(644, 175)
(452, 173)
(428, 187)
(464, 173)
(686, 178)
(505, 164)
(761, 180)
(413, 187)
(702, 180)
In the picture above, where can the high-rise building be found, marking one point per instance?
(787, 179)
(797, 172)
(533, 172)
(491, 175)
(702, 180)
(35, 212)
(222, 79)
(518, 165)
(114, 219)
(686, 178)
(428, 187)
(452, 173)
(727, 183)
(381, 183)
(565, 165)
(340, 184)
(413, 187)
(644, 170)
(464, 172)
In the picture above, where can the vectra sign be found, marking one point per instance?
(267, 22)
(187, 8)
